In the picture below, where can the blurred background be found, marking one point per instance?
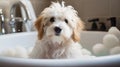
(98, 15)
(107, 11)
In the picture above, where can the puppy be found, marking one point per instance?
(59, 30)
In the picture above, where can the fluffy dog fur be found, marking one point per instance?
(62, 42)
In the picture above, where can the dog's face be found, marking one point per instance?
(59, 23)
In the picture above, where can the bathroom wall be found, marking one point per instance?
(39, 5)
(87, 9)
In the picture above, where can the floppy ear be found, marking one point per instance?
(39, 26)
(76, 32)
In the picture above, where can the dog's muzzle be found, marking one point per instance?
(57, 30)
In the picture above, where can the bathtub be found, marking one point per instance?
(27, 39)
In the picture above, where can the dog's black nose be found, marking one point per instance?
(57, 30)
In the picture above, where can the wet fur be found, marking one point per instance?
(48, 47)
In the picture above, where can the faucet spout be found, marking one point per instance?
(2, 21)
(17, 22)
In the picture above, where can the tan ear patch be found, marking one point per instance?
(76, 32)
(39, 26)
(75, 36)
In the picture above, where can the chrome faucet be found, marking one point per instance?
(17, 22)
(2, 22)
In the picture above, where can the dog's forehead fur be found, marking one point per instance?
(57, 9)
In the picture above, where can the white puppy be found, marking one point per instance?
(58, 33)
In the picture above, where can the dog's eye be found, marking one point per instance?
(52, 19)
(66, 21)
